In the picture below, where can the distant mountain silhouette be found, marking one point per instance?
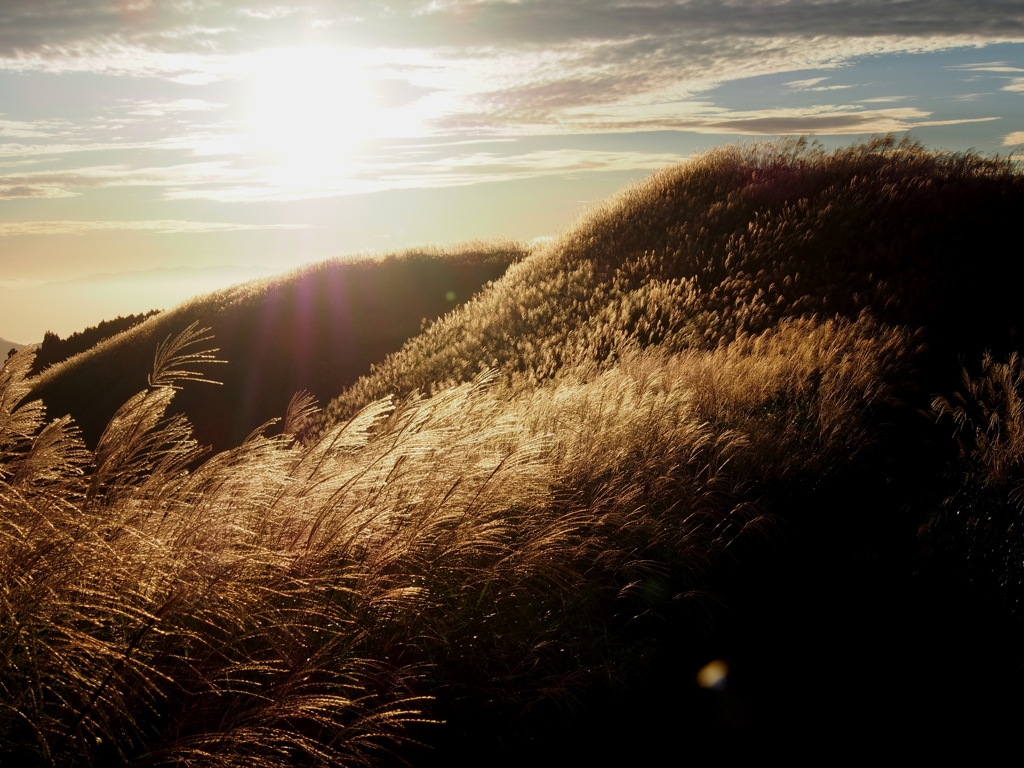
(6, 345)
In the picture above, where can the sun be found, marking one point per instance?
(310, 105)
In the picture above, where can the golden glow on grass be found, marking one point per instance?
(311, 106)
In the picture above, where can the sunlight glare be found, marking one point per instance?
(309, 106)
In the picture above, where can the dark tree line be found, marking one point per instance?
(54, 349)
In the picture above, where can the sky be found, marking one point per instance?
(152, 150)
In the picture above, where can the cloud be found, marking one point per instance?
(194, 42)
(836, 124)
(1000, 70)
(63, 26)
(30, 129)
(812, 84)
(160, 226)
(804, 84)
(16, 191)
(65, 182)
(268, 184)
(154, 108)
(998, 67)
(454, 68)
(400, 166)
(533, 91)
(1014, 139)
(54, 184)
(487, 164)
(16, 150)
(704, 117)
(195, 78)
(487, 66)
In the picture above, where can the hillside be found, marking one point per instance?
(730, 244)
(815, 303)
(731, 468)
(316, 329)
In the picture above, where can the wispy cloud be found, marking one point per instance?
(152, 108)
(164, 227)
(703, 117)
(63, 148)
(491, 166)
(30, 129)
(67, 182)
(270, 184)
(810, 82)
(997, 67)
(45, 191)
(1014, 139)
(997, 70)
(195, 78)
(813, 85)
(827, 121)
(533, 92)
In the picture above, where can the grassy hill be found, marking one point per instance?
(730, 468)
(815, 304)
(730, 244)
(317, 329)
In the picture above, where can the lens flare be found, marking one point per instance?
(713, 675)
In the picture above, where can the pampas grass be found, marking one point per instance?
(285, 602)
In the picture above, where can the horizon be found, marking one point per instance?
(218, 141)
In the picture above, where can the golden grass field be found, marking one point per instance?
(761, 408)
